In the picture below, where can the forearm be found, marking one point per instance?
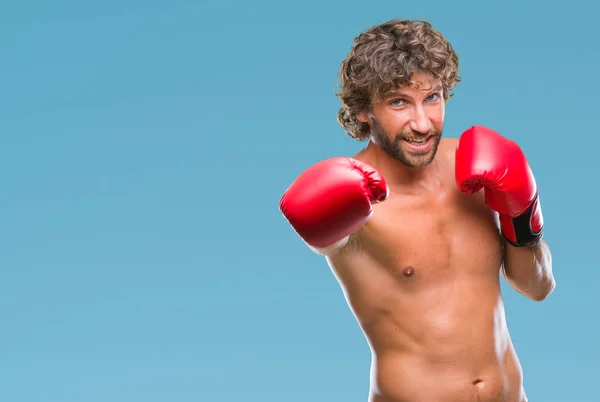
(529, 270)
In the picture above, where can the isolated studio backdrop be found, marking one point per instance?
(144, 149)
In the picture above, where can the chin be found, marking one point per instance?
(419, 164)
(415, 161)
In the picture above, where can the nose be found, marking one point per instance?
(420, 122)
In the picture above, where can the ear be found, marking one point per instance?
(363, 117)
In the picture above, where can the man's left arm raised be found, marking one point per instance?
(485, 159)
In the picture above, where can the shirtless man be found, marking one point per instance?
(418, 229)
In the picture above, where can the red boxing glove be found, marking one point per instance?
(331, 200)
(486, 159)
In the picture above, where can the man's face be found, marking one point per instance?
(407, 124)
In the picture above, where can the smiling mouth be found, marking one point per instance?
(419, 146)
(419, 142)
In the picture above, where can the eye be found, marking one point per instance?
(433, 97)
(396, 102)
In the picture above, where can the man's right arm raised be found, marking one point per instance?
(331, 200)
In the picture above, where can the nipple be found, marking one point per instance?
(408, 271)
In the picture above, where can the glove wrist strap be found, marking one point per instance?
(525, 230)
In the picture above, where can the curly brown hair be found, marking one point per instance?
(385, 57)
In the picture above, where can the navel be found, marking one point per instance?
(479, 383)
(408, 271)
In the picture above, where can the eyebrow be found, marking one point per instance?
(405, 95)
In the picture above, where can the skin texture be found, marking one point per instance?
(422, 276)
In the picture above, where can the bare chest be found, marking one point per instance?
(426, 239)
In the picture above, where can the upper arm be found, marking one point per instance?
(348, 244)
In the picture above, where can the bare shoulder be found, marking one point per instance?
(475, 202)
(447, 148)
(451, 142)
(446, 155)
(361, 156)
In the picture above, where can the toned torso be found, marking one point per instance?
(422, 278)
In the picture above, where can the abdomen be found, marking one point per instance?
(448, 343)
(398, 376)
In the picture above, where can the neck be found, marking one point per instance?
(397, 174)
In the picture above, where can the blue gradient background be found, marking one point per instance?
(144, 149)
